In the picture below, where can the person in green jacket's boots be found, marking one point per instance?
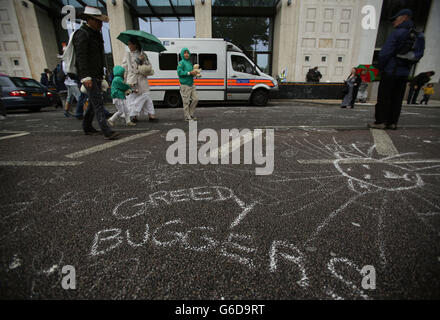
(118, 94)
(187, 88)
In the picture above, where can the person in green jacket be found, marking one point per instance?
(118, 94)
(187, 88)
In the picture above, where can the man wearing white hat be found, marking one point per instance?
(89, 51)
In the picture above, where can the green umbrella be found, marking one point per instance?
(147, 41)
(372, 72)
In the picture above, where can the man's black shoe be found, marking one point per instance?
(112, 136)
(391, 127)
(91, 132)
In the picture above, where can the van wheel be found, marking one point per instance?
(173, 99)
(260, 98)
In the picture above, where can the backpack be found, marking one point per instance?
(69, 57)
(413, 48)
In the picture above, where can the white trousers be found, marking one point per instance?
(140, 105)
(122, 109)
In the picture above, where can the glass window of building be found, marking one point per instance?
(251, 34)
(169, 27)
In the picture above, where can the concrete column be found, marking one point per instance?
(203, 15)
(11, 43)
(430, 61)
(120, 20)
(38, 35)
(285, 38)
(365, 40)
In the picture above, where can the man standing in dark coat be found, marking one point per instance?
(394, 74)
(416, 84)
(89, 51)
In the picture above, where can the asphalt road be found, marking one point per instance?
(343, 202)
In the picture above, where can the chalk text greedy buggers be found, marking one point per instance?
(231, 140)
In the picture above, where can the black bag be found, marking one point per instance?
(345, 89)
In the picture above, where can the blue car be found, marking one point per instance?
(25, 93)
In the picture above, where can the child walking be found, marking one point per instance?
(187, 88)
(428, 91)
(118, 94)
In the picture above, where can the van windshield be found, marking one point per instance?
(26, 83)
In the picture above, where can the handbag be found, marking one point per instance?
(345, 88)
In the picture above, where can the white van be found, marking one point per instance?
(227, 74)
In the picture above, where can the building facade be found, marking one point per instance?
(279, 35)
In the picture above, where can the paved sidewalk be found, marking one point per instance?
(432, 103)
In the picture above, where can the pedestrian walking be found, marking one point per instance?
(73, 94)
(313, 75)
(394, 73)
(416, 85)
(119, 89)
(45, 77)
(352, 84)
(363, 88)
(138, 68)
(89, 49)
(428, 91)
(186, 73)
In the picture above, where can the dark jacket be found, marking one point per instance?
(44, 80)
(388, 62)
(89, 52)
(421, 79)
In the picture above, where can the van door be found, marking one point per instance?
(241, 77)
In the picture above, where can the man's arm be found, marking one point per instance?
(389, 49)
(181, 71)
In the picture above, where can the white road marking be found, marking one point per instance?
(233, 145)
(15, 135)
(40, 163)
(383, 142)
(108, 145)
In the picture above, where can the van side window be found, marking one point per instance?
(208, 61)
(193, 58)
(241, 64)
(168, 61)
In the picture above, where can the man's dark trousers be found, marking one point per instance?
(96, 105)
(389, 99)
(413, 94)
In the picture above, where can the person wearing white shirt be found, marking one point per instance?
(72, 92)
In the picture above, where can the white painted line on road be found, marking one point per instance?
(233, 145)
(384, 145)
(108, 145)
(40, 163)
(366, 161)
(15, 135)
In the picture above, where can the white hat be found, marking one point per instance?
(94, 13)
